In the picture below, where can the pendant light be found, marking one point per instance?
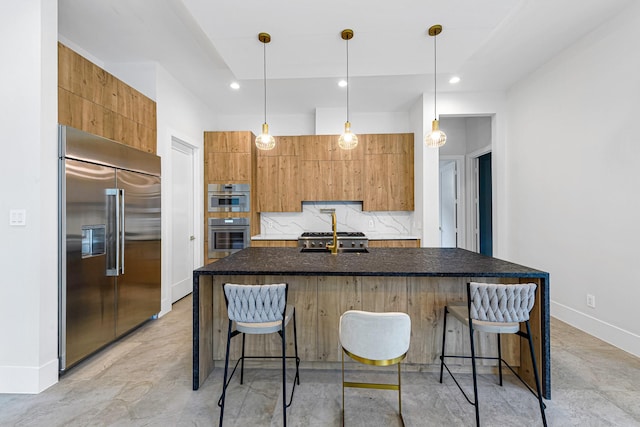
(348, 140)
(264, 141)
(436, 138)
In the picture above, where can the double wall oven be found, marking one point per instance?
(230, 234)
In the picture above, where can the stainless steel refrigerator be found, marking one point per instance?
(109, 233)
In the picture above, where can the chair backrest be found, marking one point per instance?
(375, 336)
(255, 303)
(501, 303)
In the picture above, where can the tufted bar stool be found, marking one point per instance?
(259, 309)
(379, 339)
(498, 309)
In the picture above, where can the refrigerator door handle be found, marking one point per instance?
(113, 266)
(122, 229)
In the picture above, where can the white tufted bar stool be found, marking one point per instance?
(498, 309)
(259, 309)
(379, 339)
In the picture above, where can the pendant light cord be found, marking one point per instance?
(264, 62)
(348, 79)
(435, 86)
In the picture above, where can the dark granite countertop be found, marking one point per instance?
(438, 262)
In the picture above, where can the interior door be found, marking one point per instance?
(448, 204)
(87, 301)
(182, 232)
(138, 285)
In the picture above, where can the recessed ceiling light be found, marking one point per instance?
(234, 85)
(455, 79)
(342, 83)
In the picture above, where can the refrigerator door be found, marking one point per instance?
(138, 285)
(87, 298)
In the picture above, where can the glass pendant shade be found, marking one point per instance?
(264, 141)
(436, 138)
(348, 140)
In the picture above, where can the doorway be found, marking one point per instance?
(485, 223)
(182, 223)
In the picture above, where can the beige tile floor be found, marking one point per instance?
(145, 380)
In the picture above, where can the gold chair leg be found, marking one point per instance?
(342, 352)
(399, 392)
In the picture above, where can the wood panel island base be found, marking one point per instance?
(417, 281)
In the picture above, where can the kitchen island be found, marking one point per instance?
(418, 281)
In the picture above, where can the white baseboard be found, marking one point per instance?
(28, 379)
(611, 334)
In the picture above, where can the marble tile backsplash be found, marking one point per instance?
(349, 216)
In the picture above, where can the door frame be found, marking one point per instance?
(472, 211)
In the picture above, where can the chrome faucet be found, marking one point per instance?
(334, 226)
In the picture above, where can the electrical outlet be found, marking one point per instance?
(371, 224)
(270, 224)
(591, 301)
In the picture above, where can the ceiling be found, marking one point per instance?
(206, 44)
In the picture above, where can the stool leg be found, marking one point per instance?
(342, 353)
(499, 359)
(535, 373)
(226, 368)
(444, 337)
(473, 368)
(284, 375)
(242, 360)
(400, 394)
(295, 343)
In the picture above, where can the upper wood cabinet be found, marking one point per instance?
(328, 172)
(378, 172)
(92, 100)
(228, 157)
(388, 172)
(277, 179)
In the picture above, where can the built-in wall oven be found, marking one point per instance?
(227, 235)
(228, 197)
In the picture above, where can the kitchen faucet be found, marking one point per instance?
(334, 227)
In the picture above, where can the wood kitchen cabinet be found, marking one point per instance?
(92, 100)
(278, 177)
(388, 172)
(404, 243)
(274, 243)
(228, 157)
(330, 173)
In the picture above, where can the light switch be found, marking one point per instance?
(17, 217)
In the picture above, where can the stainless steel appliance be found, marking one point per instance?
(109, 236)
(348, 241)
(228, 197)
(228, 235)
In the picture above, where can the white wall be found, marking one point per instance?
(279, 125)
(573, 177)
(28, 180)
(180, 115)
(330, 121)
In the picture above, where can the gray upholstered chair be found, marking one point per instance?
(498, 309)
(379, 339)
(259, 309)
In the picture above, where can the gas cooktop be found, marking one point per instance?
(314, 234)
(348, 241)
